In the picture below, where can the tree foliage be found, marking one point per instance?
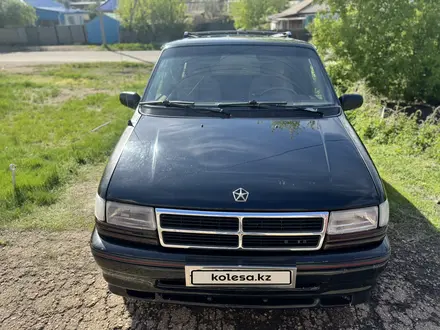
(93, 10)
(252, 14)
(148, 15)
(16, 13)
(393, 44)
(214, 9)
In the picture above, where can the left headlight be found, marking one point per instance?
(131, 216)
(351, 221)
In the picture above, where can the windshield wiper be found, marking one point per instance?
(185, 105)
(307, 109)
(168, 103)
(265, 105)
(253, 104)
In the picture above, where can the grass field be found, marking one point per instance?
(416, 178)
(47, 117)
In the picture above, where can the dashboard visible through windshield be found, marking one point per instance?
(240, 73)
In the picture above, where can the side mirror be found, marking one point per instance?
(130, 99)
(351, 101)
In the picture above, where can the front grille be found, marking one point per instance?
(176, 221)
(302, 231)
(193, 239)
(253, 242)
(264, 225)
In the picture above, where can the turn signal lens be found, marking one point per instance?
(384, 214)
(99, 208)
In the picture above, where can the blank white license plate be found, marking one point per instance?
(220, 276)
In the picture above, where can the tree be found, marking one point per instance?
(214, 8)
(166, 12)
(145, 15)
(252, 14)
(16, 13)
(393, 44)
(93, 10)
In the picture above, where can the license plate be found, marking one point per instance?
(238, 276)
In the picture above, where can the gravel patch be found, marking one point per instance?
(50, 281)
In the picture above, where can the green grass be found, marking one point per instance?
(416, 178)
(45, 127)
(74, 207)
(406, 152)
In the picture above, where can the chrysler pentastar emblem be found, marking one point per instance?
(240, 195)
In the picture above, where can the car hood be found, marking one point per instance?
(285, 165)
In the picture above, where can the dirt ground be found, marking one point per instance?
(50, 281)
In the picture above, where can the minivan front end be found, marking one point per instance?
(241, 259)
(175, 224)
(239, 182)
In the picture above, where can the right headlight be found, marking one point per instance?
(352, 221)
(131, 216)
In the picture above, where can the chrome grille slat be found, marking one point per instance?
(306, 232)
(273, 242)
(230, 241)
(174, 221)
(282, 224)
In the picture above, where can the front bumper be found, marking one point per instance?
(324, 278)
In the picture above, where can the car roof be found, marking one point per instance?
(238, 40)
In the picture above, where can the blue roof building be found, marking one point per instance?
(50, 13)
(109, 6)
(111, 24)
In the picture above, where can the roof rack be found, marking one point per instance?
(226, 33)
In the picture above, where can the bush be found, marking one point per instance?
(252, 14)
(413, 136)
(393, 44)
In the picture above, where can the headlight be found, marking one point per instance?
(132, 216)
(384, 213)
(351, 221)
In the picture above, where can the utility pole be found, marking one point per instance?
(101, 23)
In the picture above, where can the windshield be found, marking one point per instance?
(240, 73)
